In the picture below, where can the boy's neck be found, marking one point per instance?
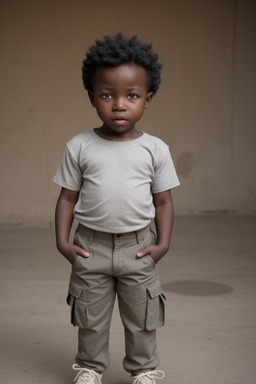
(110, 135)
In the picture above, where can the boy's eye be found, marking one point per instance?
(132, 96)
(106, 96)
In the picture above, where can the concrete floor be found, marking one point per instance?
(209, 278)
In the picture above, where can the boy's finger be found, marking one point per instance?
(82, 252)
(142, 253)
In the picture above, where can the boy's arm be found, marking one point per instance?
(63, 224)
(164, 222)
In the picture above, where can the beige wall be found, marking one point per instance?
(205, 108)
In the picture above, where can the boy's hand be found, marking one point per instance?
(63, 223)
(156, 252)
(71, 251)
(163, 220)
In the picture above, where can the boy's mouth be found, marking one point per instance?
(120, 120)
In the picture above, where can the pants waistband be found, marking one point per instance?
(134, 235)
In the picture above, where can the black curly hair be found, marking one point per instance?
(113, 51)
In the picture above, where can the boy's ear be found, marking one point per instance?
(91, 97)
(149, 99)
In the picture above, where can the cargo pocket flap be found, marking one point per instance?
(155, 307)
(75, 289)
(154, 290)
(77, 303)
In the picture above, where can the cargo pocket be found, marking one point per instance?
(155, 307)
(76, 299)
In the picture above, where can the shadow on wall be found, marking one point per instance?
(197, 288)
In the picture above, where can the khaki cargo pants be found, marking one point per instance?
(113, 269)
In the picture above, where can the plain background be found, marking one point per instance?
(205, 109)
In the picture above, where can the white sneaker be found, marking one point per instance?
(86, 376)
(147, 377)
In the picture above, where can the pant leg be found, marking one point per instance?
(93, 340)
(92, 293)
(141, 305)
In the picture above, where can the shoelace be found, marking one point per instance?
(88, 374)
(151, 375)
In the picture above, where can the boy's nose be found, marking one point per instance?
(119, 105)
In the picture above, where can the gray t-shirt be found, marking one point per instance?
(116, 180)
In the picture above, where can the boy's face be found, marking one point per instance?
(120, 96)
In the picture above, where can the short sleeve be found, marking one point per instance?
(165, 176)
(69, 174)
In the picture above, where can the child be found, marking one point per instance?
(114, 181)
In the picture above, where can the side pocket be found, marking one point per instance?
(76, 299)
(155, 307)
